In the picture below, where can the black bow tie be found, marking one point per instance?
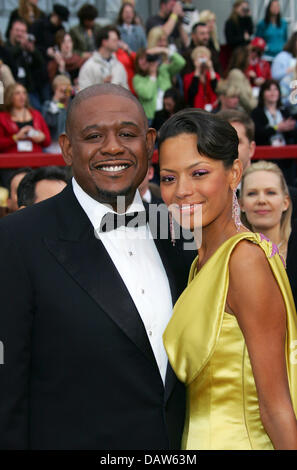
(112, 221)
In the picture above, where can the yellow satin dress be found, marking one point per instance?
(207, 351)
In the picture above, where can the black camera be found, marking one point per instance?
(188, 9)
(152, 57)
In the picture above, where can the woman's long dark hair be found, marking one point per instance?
(239, 60)
(267, 18)
(120, 19)
(234, 16)
(266, 85)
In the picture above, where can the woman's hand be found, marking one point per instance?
(22, 134)
(123, 45)
(38, 136)
(246, 36)
(28, 132)
(286, 125)
(197, 66)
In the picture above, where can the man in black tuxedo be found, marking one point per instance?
(82, 312)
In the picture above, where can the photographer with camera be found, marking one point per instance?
(200, 85)
(64, 59)
(29, 66)
(170, 18)
(22, 128)
(190, 16)
(155, 70)
(239, 26)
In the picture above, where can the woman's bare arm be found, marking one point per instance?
(257, 303)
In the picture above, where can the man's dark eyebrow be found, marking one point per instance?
(90, 127)
(97, 126)
(129, 123)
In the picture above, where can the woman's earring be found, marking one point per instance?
(236, 211)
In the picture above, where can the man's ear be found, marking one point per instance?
(252, 148)
(66, 148)
(150, 141)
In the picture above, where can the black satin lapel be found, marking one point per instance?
(88, 262)
(170, 382)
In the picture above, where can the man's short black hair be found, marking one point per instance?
(26, 189)
(216, 138)
(87, 12)
(19, 171)
(18, 20)
(235, 115)
(197, 25)
(97, 90)
(103, 34)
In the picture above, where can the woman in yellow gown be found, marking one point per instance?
(232, 338)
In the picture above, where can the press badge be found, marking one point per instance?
(21, 72)
(24, 146)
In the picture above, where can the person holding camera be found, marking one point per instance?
(155, 70)
(29, 66)
(170, 18)
(190, 16)
(200, 85)
(22, 128)
(64, 59)
(239, 26)
(28, 11)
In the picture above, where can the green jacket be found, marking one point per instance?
(81, 41)
(147, 89)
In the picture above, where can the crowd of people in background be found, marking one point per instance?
(172, 60)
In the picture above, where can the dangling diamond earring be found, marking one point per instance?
(236, 211)
(171, 227)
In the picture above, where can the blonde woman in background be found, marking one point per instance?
(236, 75)
(266, 206)
(200, 85)
(158, 38)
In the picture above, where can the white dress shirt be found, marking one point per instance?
(135, 256)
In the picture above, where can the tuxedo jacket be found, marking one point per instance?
(78, 371)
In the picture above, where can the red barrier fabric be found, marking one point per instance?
(18, 160)
(262, 153)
